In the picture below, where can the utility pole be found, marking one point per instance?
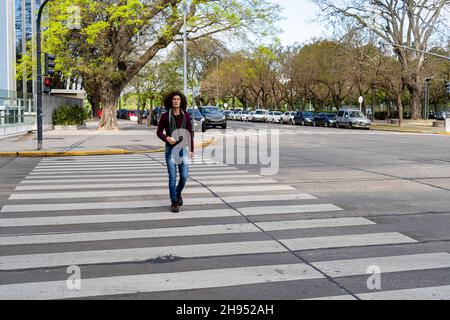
(217, 83)
(39, 75)
(24, 53)
(185, 76)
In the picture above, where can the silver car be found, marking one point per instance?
(442, 115)
(352, 118)
(288, 118)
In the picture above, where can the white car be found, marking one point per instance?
(242, 115)
(248, 117)
(274, 117)
(259, 115)
(288, 118)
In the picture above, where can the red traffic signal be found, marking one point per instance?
(48, 82)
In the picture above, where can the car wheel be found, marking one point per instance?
(350, 125)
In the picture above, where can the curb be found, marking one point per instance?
(43, 154)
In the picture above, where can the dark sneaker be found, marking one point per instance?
(180, 200)
(175, 208)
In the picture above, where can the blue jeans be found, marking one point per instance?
(183, 167)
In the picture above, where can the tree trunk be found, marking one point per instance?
(109, 99)
(414, 90)
(400, 110)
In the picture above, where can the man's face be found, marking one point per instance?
(176, 101)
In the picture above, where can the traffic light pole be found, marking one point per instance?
(39, 112)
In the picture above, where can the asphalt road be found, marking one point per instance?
(342, 204)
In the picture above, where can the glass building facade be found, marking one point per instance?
(17, 112)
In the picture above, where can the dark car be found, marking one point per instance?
(122, 113)
(198, 119)
(304, 118)
(324, 119)
(155, 115)
(213, 117)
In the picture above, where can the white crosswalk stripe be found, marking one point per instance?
(72, 212)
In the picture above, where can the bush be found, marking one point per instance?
(69, 115)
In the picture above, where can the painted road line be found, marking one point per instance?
(428, 293)
(143, 167)
(289, 209)
(101, 194)
(129, 175)
(254, 198)
(104, 205)
(130, 234)
(179, 231)
(353, 240)
(239, 188)
(31, 261)
(134, 171)
(160, 282)
(314, 223)
(352, 267)
(126, 193)
(150, 178)
(119, 185)
(95, 186)
(114, 218)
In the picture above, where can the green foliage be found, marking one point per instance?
(69, 115)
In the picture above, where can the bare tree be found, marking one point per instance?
(400, 22)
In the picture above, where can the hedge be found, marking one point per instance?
(69, 115)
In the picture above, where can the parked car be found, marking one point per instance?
(324, 119)
(259, 115)
(132, 115)
(155, 115)
(248, 116)
(442, 115)
(288, 117)
(122, 113)
(242, 115)
(274, 117)
(198, 119)
(228, 114)
(213, 117)
(352, 118)
(304, 118)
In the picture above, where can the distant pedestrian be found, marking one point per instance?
(175, 129)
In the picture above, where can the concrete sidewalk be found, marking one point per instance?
(131, 138)
(425, 127)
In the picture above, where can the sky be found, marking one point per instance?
(297, 25)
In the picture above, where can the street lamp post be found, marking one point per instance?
(427, 97)
(39, 76)
(217, 82)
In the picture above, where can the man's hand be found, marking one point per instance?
(171, 141)
(191, 155)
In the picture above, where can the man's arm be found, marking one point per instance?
(161, 127)
(189, 128)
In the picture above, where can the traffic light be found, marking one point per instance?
(48, 84)
(49, 72)
(49, 64)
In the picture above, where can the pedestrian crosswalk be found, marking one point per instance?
(108, 216)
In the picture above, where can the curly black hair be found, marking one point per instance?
(169, 97)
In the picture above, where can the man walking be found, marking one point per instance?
(175, 129)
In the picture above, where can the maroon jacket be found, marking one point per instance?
(164, 126)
